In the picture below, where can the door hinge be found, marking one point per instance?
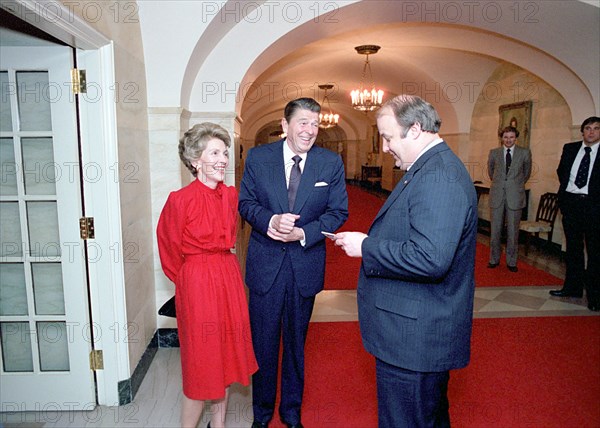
(96, 360)
(78, 81)
(86, 228)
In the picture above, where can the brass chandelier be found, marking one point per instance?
(367, 99)
(328, 119)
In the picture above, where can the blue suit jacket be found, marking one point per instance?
(416, 284)
(263, 193)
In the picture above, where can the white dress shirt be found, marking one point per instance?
(571, 188)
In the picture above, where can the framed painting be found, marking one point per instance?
(517, 115)
(376, 140)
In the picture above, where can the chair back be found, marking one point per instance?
(548, 208)
(544, 219)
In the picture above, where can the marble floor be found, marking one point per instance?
(490, 302)
(157, 403)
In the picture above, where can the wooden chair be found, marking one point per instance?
(544, 219)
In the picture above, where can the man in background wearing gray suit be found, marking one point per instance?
(509, 167)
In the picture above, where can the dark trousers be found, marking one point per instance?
(411, 399)
(280, 315)
(582, 232)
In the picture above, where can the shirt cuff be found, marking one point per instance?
(271, 222)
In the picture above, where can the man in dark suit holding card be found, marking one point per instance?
(416, 285)
(291, 191)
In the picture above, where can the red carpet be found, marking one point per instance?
(523, 373)
(530, 372)
(502, 277)
(341, 271)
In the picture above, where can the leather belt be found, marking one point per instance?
(576, 195)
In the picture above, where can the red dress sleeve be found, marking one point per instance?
(169, 234)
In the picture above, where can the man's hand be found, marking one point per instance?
(296, 234)
(284, 223)
(350, 242)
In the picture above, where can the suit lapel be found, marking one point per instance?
(594, 176)
(408, 177)
(596, 166)
(573, 154)
(279, 183)
(517, 161)
(502, 158)
(519, 152)
(516, 157)
(569, 154)
(307, 181)
(394, 195)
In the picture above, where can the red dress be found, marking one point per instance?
(196, 230)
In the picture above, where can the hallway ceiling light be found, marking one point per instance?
(330, 119)
(365, 99)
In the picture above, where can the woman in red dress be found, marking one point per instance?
(196, 231)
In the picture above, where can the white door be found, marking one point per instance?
(44, 310)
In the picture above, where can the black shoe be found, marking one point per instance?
(594, 306)
(566, 293)
(493, 265)
(257, 424)
(513, 268)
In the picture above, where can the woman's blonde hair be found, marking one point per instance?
(193, 142)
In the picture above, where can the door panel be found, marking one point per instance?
(44, 308)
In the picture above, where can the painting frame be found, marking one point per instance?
(376, 140)
(517, 115)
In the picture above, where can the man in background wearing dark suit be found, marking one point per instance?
(509, 167)
(291, 191)
(416, 284)
(579, 202)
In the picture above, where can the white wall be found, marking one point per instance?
(120, 23)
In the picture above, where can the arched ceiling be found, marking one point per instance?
(445, 64)
(442, 51)
(409, 62)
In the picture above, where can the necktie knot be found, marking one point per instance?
(588, 150)
(297, 160)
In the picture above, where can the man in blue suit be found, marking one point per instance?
(291, 191)
(416, 283)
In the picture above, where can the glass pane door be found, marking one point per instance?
(43, 293)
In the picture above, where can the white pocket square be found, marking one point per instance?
(321, 184)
